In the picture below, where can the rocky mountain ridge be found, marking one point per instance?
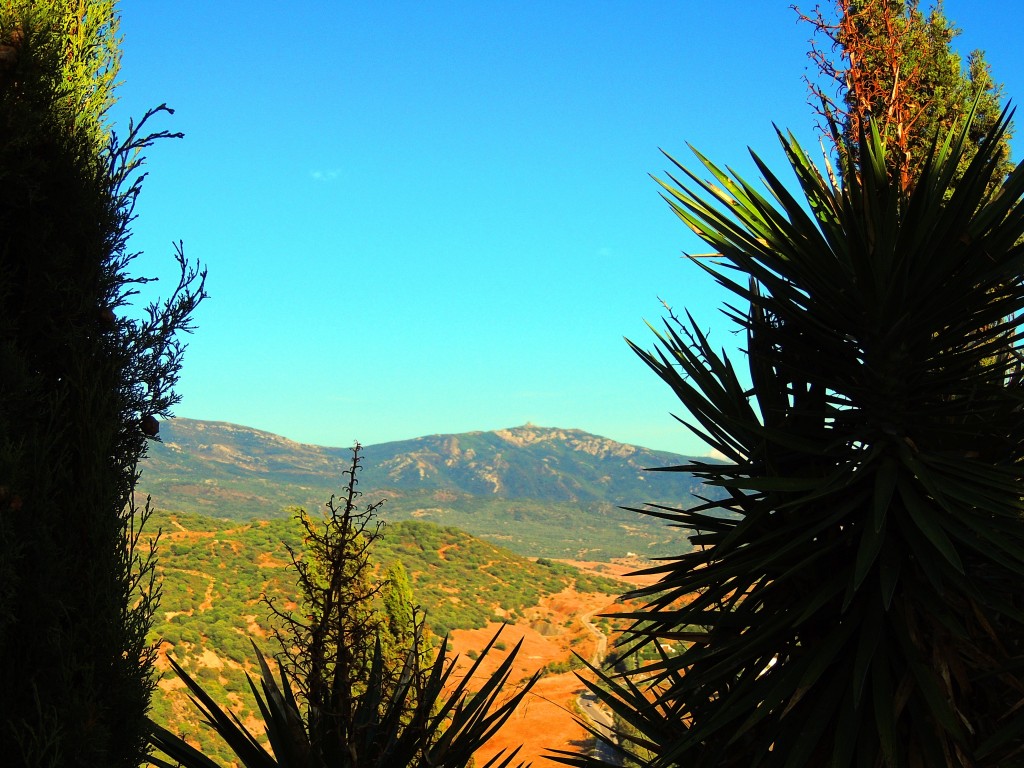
(537, 490)
(521, 462)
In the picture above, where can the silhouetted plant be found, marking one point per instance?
(81, 387)
(327, 649)
(857, 594)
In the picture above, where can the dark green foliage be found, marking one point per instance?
(232, 564)
(888, 61)
(638, 756)
(862, 606)
(560, 667)
(80, 385)
(461, 587)
(592, 531)
(399, 612)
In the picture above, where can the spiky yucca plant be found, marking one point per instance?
(855, 600)
(442, 728)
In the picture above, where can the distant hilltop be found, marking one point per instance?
(543, 463)
(510, 485)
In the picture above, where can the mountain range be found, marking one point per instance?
(538, 491)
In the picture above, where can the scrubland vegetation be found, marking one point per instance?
(851, 598)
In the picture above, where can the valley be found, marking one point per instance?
(480, 552)
(213, 574)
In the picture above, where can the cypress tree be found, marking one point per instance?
(81, 386)
(890, 62)
(399, 607)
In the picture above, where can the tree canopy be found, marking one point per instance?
(890, 62)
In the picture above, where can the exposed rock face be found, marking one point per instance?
(524, 462)
(536, 490)
(521, 462)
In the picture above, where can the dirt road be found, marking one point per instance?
(592, 709)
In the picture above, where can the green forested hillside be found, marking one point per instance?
(214, 572)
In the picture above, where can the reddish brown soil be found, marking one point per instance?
(546, 719)
(620, 568)
(550, 632)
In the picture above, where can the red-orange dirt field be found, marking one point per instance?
(551, 632)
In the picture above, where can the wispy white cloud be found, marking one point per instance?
(324, 175)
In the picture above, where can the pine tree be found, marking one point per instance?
(81, 387)
(887, 61)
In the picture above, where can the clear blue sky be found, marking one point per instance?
(424, 217)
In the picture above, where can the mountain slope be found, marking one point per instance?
(523, 462)
(538, 491)
(213, 574)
